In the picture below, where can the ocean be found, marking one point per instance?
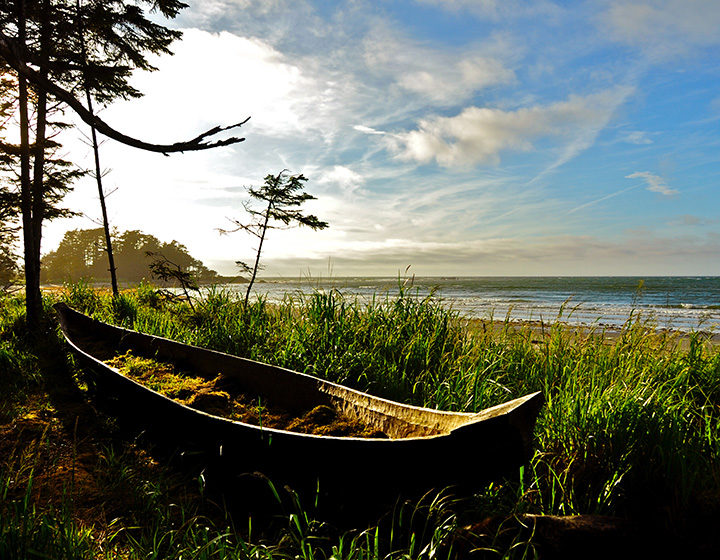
(689, 303)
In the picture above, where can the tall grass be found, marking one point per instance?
(19, 367)
(628, 426)
(631, 427)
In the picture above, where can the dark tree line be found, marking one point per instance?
(81, 256)
(60, 54)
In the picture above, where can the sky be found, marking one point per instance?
(457, 137)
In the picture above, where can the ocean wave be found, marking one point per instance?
(696, 306)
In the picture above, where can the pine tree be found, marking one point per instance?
(107, 77)
(33, 179)
(281, 197)
(39, 42)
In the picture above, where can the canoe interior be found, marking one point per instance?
(290, 390)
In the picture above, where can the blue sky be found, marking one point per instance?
(459, 137)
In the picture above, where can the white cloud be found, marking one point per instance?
(446, 82)
(479, 135)
(328, 89)
(654, 183)
(367, 130)
(205, 12)
(341, 176)
(665, 28)
(220, 78)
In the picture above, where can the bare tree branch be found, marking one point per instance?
(11, 53)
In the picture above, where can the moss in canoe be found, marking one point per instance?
(219, 397)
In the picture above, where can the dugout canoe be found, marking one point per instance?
(426, 448)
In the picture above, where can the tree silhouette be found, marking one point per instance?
(8, 259)
(166, 270)
(39, 43)
(33, 179)
(281, 197)
(81, 255)
(87, 86)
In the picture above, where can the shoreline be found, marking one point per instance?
(610, 334)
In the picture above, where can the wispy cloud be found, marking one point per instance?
(545, 255)
(692, 220)
(479, 135)
(438, 76)
(356, 96)
(496, 9)
(367, 129)
(638, 137)
(601, 199)
(665, 28)
(654, 183)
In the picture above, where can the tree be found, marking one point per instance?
(9, 202)
(281, 197)
(81, 255)
(166, 270)
(39, 43)
(33, 179)
(87, 86)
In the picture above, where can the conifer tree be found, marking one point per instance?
(39, 42)
(33, 179)
(281, 197)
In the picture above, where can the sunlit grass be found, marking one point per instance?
(630, 427)
(616, 414)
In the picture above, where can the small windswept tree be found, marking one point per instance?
(274, 205)
(166, 270)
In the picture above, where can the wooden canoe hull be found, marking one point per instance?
(482, 447)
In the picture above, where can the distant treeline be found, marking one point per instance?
(81, 255)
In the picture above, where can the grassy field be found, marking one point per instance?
(630, 429)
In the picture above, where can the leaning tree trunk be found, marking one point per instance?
(96, 153)
(101, 194)
(257, 255)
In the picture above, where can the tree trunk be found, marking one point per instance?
(257, 256)
(38, 188)
(98, 169)
(101, 194)
(32, 272)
